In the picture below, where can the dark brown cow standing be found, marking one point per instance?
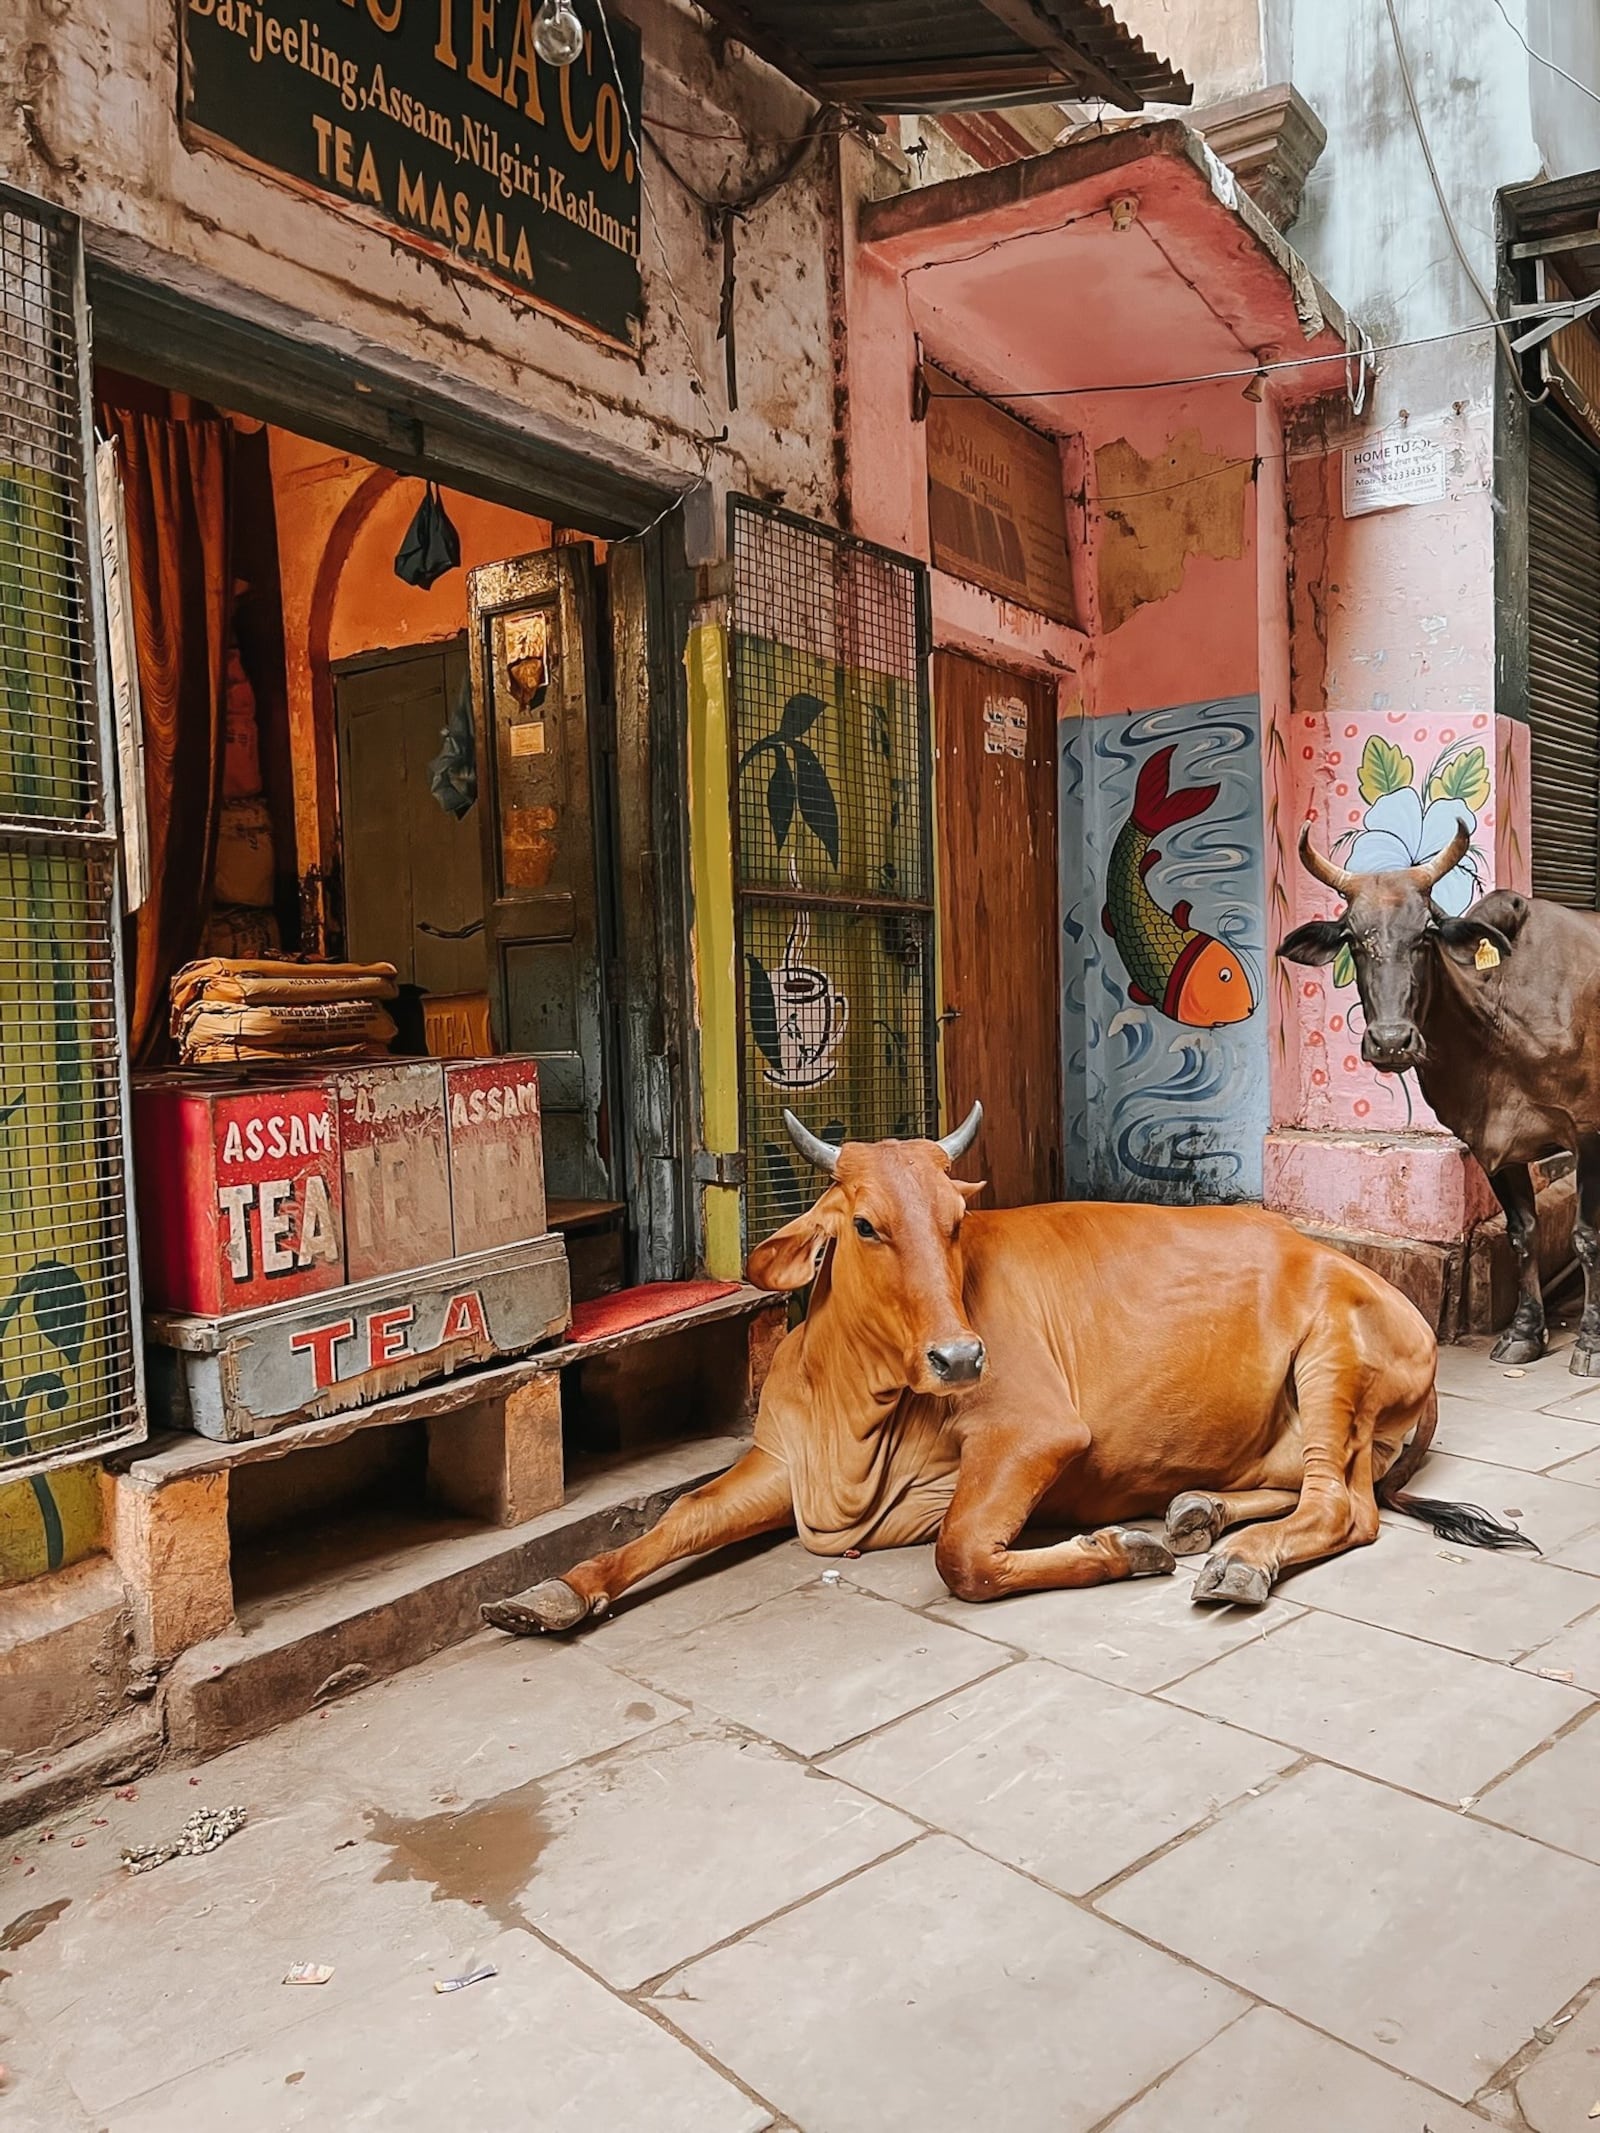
(1499, 1013)
(960, 1374)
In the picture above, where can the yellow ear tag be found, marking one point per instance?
(1487, 956)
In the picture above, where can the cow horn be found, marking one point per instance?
(1433, 871)
(1321, 869)
(822, 1153)
(955, 1145)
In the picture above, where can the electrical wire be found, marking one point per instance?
(1247, 370)
(1594, 94)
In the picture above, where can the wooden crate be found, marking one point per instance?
(254, 1372)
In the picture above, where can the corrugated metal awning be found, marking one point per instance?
(953, 55)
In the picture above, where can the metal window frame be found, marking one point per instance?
(102, 837)
(762, 894)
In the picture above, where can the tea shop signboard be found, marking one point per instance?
(436, 122)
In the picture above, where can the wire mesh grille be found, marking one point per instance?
(49, 714)
(833, 863)
(67, 1340)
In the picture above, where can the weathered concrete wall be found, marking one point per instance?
(1564, 119)
(96, 130)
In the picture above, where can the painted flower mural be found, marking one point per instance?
(1409, 820)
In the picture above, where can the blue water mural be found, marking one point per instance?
(1164, 1032)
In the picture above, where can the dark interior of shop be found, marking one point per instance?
(302, 625)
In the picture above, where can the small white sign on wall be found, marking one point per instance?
(1400, 467)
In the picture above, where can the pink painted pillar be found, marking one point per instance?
(1390, 711)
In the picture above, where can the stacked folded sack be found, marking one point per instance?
(226, 1009)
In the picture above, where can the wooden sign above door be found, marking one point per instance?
(996, 508)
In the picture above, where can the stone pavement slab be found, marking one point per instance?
(940, 1990)
(1268, 2074)
(1466, 1373)
(491, 1714)
(1581, 1553)
(903, 1574)
(1434, 1721)
(1575, 1651)
(192, 1956)
(1580, 1405)
(1558, 2089)
(1556, 1796)
(670, 1845)
(816, 1666)
(1537, 1443)
(691, 1596)
(35, 2097)
(1584, 1468)
(1058, 1774)
(1549, 1511)
(1381, 1918)
(538, 2049)
(1139, 1634)
(1473, 1600)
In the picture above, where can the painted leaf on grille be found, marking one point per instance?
(780, 798)
(818, 808)
(763, 1009)
(800, 714)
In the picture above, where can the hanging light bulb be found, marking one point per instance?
(557, 33)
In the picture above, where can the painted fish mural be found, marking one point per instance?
(1189, 976)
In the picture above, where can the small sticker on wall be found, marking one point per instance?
(528, 738)
(1403, 467)
(1005, 727)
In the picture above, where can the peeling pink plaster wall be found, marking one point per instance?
(1202, 640)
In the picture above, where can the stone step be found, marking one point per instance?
(331, 1631)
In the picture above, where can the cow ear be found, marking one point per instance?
(1316, 943)
(1503, 909)
(790, 1256)
(967, 1189)
(1467, 932)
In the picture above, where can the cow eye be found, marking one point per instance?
(865, 1231)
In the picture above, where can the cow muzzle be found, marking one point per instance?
(1393, 1047)
(958, 1362)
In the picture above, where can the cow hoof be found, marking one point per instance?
(1227, 1581)
(552, 1605)
(1585, 1362)
(1516, 1348)
(1194, 1524)
(1148, 1555)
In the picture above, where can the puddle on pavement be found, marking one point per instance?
(31, 1924)
(483, 1855)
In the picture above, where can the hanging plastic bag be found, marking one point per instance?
(453, 773)
(431, 546)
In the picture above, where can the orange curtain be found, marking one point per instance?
(178, 493)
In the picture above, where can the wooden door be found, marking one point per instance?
(1000, 923)
(413, 879)
(541, 725)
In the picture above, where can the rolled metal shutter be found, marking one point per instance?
(1564, 672)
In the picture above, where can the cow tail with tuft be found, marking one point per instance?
(1467, 1524)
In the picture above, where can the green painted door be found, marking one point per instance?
(542, 722)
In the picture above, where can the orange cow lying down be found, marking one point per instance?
(959, 1375)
